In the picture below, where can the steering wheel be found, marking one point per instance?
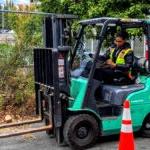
(101, 63)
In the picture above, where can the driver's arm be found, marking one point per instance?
(106, 55)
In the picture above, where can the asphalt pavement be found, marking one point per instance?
(41, 141)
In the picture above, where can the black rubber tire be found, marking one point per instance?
(145, 130)
(80, 131)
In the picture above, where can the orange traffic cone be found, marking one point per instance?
(126, 135)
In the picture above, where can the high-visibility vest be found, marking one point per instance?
(121, 57)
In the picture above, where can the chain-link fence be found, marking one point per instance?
(137, 44)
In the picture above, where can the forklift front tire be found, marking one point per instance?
(81, 131)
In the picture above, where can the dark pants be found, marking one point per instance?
(108, 75)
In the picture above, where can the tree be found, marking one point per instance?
(54, 6)
(99, 8)
(15, 84)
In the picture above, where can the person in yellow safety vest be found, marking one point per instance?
(118, 61)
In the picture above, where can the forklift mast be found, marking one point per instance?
(57, 36)
(52, 75)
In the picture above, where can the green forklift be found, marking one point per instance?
(74, 109)
(77, 109)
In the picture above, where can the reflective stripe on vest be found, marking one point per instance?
(120, 58)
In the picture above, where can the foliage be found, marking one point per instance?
(21, 87)
(16, 80)
(27, 33)
(99, 8)
(53, 6)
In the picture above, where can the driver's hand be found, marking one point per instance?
(109, 62)
(113, 65)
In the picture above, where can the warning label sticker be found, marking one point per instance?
(61, 72)
(61, 62)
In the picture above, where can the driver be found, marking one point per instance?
(118, 61)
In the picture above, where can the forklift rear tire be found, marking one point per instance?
(81, 131)
(145, 131)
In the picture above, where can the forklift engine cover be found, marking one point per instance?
(117, 94)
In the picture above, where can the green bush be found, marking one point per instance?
(16, 80)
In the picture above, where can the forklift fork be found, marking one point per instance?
(47, 127)
(33, 130)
